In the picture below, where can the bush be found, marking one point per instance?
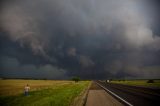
(76, 79)
(150, 81)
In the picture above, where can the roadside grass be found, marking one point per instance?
(61, 95)
(138, 83)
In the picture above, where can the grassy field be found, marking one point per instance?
(43, 92)
(138, 83)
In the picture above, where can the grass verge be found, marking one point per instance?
(142, 83)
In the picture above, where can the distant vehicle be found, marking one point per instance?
(107, 81)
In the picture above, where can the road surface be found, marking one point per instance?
(136, 96)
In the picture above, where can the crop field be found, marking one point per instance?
(144, 83)
(42, 92)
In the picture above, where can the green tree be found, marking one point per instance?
(150, 81)
(76, 79)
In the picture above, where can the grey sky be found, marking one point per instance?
(93, 39)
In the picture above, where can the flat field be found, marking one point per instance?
(142, 83)
(42, 93)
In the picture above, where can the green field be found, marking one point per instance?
(138, 83)
(43, 92)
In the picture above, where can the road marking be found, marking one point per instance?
(115, 95)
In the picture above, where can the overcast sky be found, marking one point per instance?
(92, 39)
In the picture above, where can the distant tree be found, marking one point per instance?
(76, 79)
(150, 81)
(110, 79)
(44, 78)
(124, 80)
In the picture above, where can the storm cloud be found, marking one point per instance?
(87, 38)
(12, 68)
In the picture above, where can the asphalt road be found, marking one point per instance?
(136, 96)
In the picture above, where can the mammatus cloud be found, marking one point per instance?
(21, 27)
(120, 21)
(95, 34)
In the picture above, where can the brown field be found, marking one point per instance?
(43, 92)
(13, 87)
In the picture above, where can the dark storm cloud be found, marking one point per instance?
(10, 67)
(88, 38)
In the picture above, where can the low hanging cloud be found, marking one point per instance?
(132, 70)
(79, 34)
(71, 52)
(11, 67)
(85, 61)
(143, 72)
